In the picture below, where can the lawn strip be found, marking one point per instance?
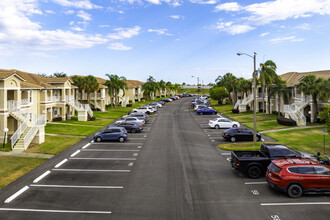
(14, 167)
(70, 130)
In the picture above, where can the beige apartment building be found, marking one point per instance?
(28, 101)
(298, 107)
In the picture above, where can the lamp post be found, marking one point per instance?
(254, 95)
(4, 138)
(197, 85)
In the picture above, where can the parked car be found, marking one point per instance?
(239, 134)
(253, 163)
(223, 123)
(131, 127)
(143, 110)
(206, 111)
(111, 134)
(138, 115)
(131, 119)
(297, 176)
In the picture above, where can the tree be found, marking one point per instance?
(311, 85)
(91, 85)
(324, 93)
(169, 87)
(325, 116)
(229, 81)
(115, 84)
(219, 93)
(243, 85)
(162, 85)
(267, 77)
(80, 83)
(176, 87)
(62, 74)
(150, 87)
(280, 89)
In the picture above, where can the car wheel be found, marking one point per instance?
(133, 130)
(98, 139)
(259, 138)
(214, 113)
(295, 191)
(121, 139)
(148, 113)
(202, 113)
(217, 127)
(254, 172)
(232, 139)
(235, 126)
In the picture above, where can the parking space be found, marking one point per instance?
(87, 181)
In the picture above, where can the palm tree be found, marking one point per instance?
(90, 85)
(243, 85)
(115, 84)
(229, 81)
(162, 85)
(151, 87)
(176, 87)
(280, 89)
(267, 77)
(324, 89)
(311, 85)
(80, 83)
(169, 87)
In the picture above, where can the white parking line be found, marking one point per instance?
(135, 154)
(225, 154)
(139, 147)
(75, 153)
(86, 146)
(295, 203)
(86, 170)
(61, 163)
(106, 150)
(41, 176)
(55, 211)
(107, 143)
(19, 192)
(87, 158)
(137, 138)
(130, 164)
(84, 187)
(254, 183)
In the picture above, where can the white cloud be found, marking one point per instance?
(119, 46)
(104, 25)
(304, 26)
(160, 32)
(122, 33)
(84, 15)
(281, 39)
(176, 16)
(233, 29)
(230, 6)
(209, 2)
(173, 3)
(83, 4)
(17, 30)
(69, 12)
(50, 12)
(264, 34)
(77, 29)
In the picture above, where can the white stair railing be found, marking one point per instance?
(19, 131)
(238, 102)
(32, 132)
(247, 99)
(12, 106)
(89, 110)
(288, 109)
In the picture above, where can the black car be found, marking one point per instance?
(239, 134)
(131, 127)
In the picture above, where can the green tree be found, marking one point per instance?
(91, 85)
(243, 85)
(324, 93)
(267, 77)
(115, 84)
(176, 87)
(57, 75)
(311, 85)
(80, 83)
(229, 81)
(325, 116)
(151, 87)
(280, 89)
(162, 85)
(169, 87)
(219, 93)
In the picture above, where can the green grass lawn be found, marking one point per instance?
(267, 125)
(99, 121)
(70, 129)
(309, 140)
(5, 148)
(15, 167)
(249, 117)
(53, 145)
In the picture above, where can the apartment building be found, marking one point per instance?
(133, 92)
(299, 107)
(28, 101)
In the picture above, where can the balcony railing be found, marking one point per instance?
(57, 98)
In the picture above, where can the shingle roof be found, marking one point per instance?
(293, 78)
(133, 83)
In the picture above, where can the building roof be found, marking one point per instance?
(294, 78)
(101, 81)
(133, 83)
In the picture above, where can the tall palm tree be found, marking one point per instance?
(115, 84)
(280, 89)
(162, 85)
(229, 81)
(311, 85)
(169, 87)
(80, 83)
(324, 89)
(90, 85)
(267, 77)
(243, 85)
(176, 87)
(151, 87)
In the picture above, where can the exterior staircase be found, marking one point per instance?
(245, 102)
(295, 113)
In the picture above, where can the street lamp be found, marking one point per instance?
(197, 85)
(4, 137)
(254, 95)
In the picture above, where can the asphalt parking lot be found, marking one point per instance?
(171, 170)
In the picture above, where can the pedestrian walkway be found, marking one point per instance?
(23, 154)
(294, 128)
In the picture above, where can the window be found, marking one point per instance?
(307, 170)
(31, 96)
(293, 92)
(322, 171)
(115, 130)
(282, 153)
(274, 168)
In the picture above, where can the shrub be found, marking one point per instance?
(286, 121)
(235, 111)
(129, 105)
(57, 119)
(92, 118)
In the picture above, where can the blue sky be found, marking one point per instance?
(168, 39)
